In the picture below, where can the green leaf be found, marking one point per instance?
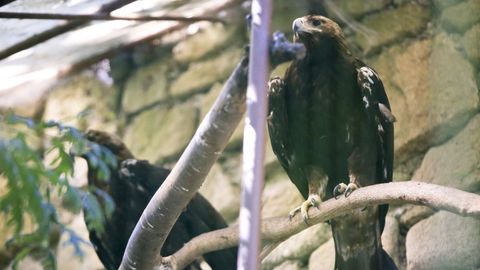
(72, 200)
(103, 171)
(20, 256)
(94, 217)
(107, 202)
(76, 241)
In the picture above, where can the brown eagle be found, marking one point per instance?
(330, 122)
(131, 186)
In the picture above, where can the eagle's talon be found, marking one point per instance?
(292, 213)
(339, 189)
(312, 200)
(350, 188)
(304, 210)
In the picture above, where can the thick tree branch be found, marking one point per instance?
(41, 37)
(103, 17)
(146, 241)
(437, 197)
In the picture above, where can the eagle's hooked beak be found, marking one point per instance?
(296, 25)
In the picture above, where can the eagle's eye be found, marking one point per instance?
(316, 22)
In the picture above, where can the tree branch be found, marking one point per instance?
(435, 196)
(41, 37)
(103, 17)
(211, 137)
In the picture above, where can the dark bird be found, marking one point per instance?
(131, 186)
(330, 122)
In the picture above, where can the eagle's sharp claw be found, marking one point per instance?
(350, 188)
(312, 200)
(339, 189)
(292, 213)
(304, 211)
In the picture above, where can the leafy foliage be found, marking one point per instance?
(31, 182)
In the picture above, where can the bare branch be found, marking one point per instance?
(41, 37)
(103, 17)
(272, 229)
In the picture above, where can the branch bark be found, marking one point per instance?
(146, 241)
(272, 229)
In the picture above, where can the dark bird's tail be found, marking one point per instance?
(387, 261)
(358, 246)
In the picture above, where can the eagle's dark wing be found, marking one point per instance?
(377, 104)
(278, 129)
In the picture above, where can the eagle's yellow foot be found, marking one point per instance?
(346, 190)
(312, 200)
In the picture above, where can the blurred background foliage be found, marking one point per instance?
(36, 161)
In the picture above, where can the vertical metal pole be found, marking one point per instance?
(254, 136)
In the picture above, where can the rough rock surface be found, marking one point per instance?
(289, 265)
(444, 241)
(204, 74)
(280, 197)
(392, 25)
(222, 193)
(471, 43)
(323, 258)
(85, 96)
(409, 215)
(428, 81)
(146, 86)
(442, 4)
(459, 18)
(455, 163)
(357, 8)
(298, 247)
(160, 133)
(207, 40)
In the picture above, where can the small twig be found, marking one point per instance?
(272, 229)
(103, 17)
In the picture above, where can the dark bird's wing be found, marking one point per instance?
(201, 217)
(373, 93)
(198, 217)
(131, 187)
(280, 136)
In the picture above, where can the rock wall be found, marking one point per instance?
(428, 55)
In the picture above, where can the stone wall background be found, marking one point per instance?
(427, 53)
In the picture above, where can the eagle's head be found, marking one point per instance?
(316, 30)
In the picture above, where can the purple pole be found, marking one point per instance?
(254, 136)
